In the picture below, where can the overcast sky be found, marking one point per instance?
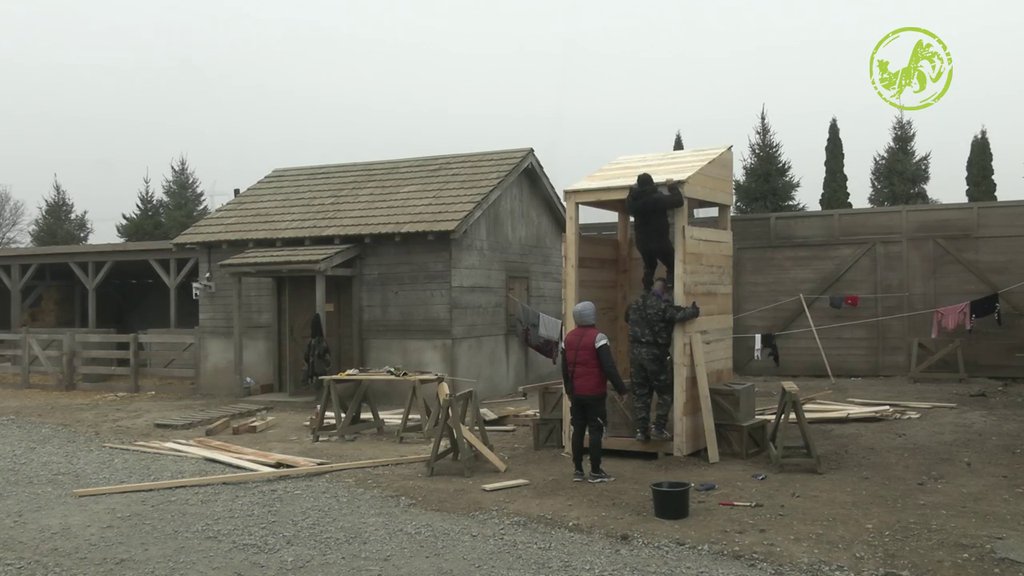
(98, 92)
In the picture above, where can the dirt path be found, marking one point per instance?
(943, 494)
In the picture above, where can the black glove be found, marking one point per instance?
(694, 310)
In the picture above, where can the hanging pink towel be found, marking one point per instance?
(951, 317)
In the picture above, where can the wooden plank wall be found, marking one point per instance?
(406, 288)
(887, 251)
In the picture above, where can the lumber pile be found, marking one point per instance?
(826, 411)
(223, 452)
(394, 418)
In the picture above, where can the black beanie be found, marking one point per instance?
(644, 180)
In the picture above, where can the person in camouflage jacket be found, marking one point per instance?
(651, 319)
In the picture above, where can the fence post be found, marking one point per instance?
(133, 360)
(26, 358)
(68, 356)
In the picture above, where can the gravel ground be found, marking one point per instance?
(316, 525)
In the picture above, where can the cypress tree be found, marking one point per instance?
(981, 186)
(834, 191)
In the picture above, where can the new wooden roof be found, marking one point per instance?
(431, 194)
(622, 171)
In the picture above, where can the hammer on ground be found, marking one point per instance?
(741, 504)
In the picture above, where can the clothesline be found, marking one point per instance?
(879, 319)
(788, 300)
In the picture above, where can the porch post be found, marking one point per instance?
(173, 290)
(15, 287)
(321, 299)
(238, 331)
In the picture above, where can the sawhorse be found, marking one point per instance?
(789, 401)
(459, 420)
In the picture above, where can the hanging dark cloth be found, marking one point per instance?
(768, 343)
(317, 357)
(529, 325)
(836, 301)
(986, 306)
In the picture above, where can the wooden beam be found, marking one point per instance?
(321, 300)
(237, 332)
(505, 485)
(217, 456)
(189, 265)
(704, 393)
(172, 293)
(247, 476)
(99, 278)
(357, 316)
(15, 281)
(6, 278)
(151, 450)
(160, 271)
(683, 444)
(294, 461)
(814, 331)
(28, 275)
(481, 447)
(981, 275)
(92, 296)
(622, 282)
(86, 280)
(570, 289)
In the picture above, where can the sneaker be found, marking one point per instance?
(642, 436)
(660, 434)
(599, 476)
(578, 476)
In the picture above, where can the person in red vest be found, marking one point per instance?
(587, 367)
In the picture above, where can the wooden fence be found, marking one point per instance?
(68, 355)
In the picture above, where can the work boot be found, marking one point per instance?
(660, 434)
(642, 435)
(599, 477)
(578, 476)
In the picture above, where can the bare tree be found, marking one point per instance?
(12, 219)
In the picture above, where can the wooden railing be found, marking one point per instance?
(68, 354)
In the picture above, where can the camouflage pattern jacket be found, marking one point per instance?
(651, 320)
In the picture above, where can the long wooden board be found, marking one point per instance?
(246, 476)
(704, 391)
(483, 449)
(903, 404)
(295, 461)
(148, 450)
(218, 457)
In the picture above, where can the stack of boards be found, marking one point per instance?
(857, 409)
(223, 452)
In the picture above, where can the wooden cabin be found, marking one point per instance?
(607, 270)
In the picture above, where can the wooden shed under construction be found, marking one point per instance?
(607, 271)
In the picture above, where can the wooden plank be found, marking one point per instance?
(246, 477)
(148, 450)
(288, 460)
(103, 338)
(482, 448)
(814, 330)
(505, 485)
(260, 425)
(910, 404)
(708, 234)
(218, 426)
(104, 370)
(167, 338)
(217, 456)
(241, 427)
(168, 372)
(704, 391)
(247, 457)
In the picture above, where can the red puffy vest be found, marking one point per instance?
(585, 371)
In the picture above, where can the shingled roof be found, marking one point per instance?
(432, 194)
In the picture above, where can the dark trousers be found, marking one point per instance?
(587, 413)
(651, 255)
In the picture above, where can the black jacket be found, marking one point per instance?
(649, 209)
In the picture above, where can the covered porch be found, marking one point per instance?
(307, 280)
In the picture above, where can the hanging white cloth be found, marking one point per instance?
(757, 346)
(549, 328)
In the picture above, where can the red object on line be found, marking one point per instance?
(852, 301)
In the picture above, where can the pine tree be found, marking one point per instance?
(57, 223)
(768, 184)
(678, 144)
(147, 222)
(834, 191)
(899, 175)
(981, 187)
(183, 202)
